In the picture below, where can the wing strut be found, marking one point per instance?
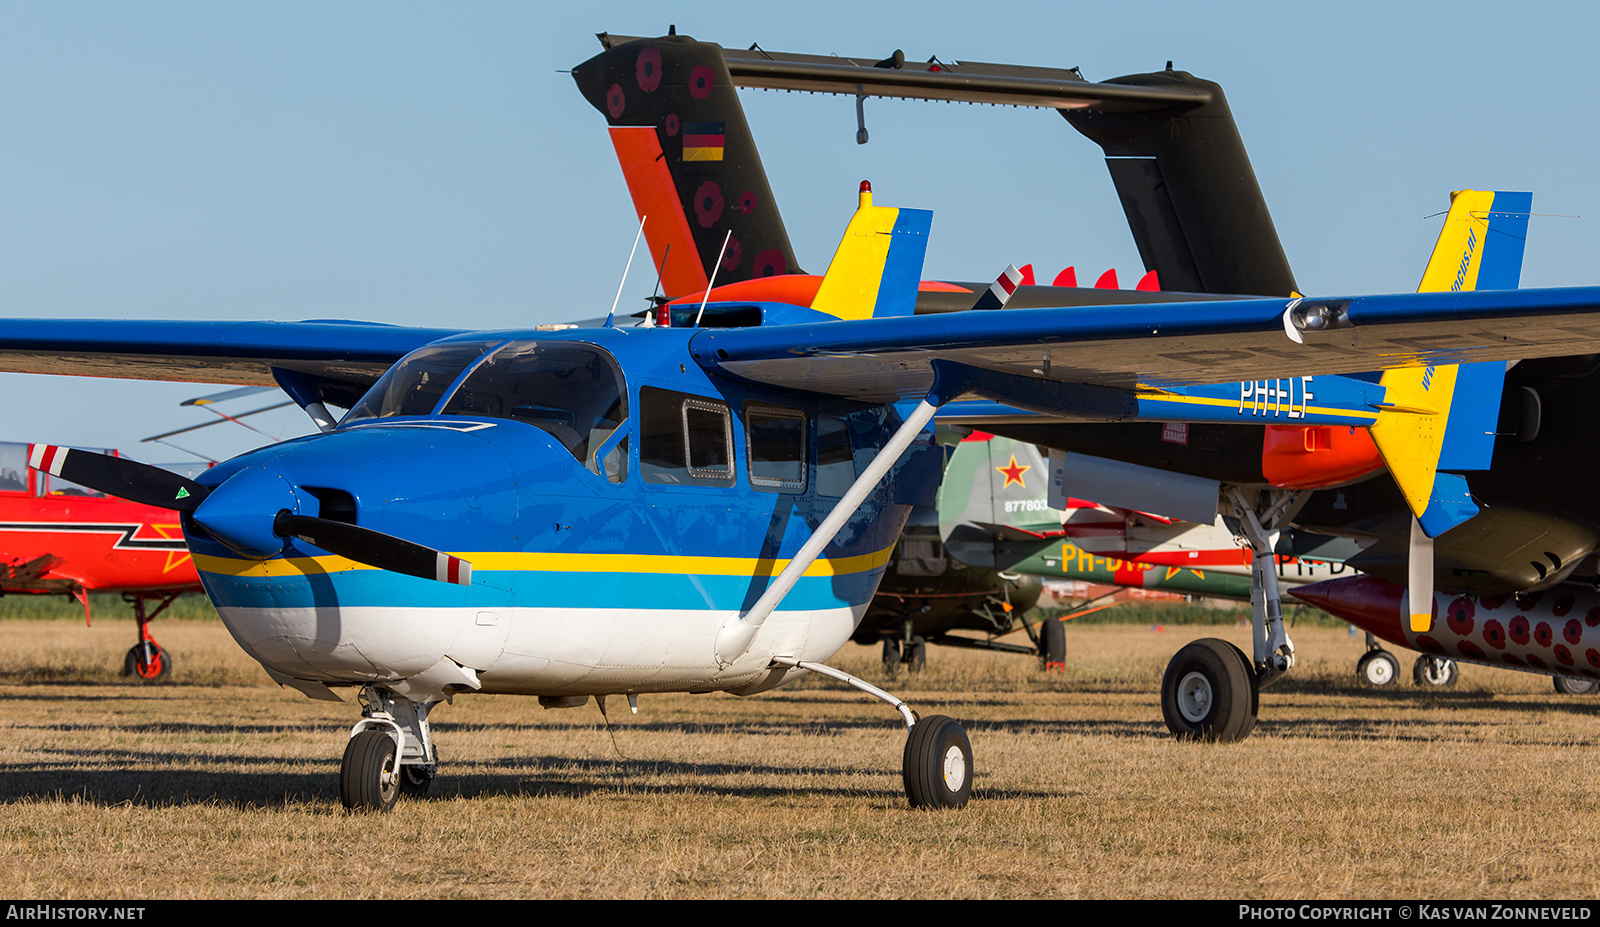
(735, 636)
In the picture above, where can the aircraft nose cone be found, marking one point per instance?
(239, 513)
(1367, 602)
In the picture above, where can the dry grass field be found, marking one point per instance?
(223, 785)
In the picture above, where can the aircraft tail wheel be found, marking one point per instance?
(1053, 645)
(1209, 693)
(1434, 672)
(891, 655)
(917, 655)
(1567, 685)
(369, 779)
(147, 662)
(938, 764)
(1378, 668)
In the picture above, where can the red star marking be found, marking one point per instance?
(1013, 473)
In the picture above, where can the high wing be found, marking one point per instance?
(1109, 352)
(340, 358)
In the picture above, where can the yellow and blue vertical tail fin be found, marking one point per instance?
(1440, 420)
(878, 266)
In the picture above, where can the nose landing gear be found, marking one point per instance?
(390, 752)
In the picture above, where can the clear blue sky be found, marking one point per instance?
(428, 164)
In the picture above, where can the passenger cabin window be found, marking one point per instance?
(775, 448)
(575, 392)
(684, 440)
(836, 468)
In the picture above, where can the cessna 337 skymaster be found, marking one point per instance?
(427, 544)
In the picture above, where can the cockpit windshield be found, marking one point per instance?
(573, 391)
(415, 385)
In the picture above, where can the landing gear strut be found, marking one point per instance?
(1211, 691)
(147, 661)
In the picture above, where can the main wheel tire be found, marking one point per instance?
(369, 779)
(891, 656)
(937, 766)
(917, 655)
(1568, 685)
(147, 663)
(1378, 668)
(1052, 642)
(1432, 672)
(1209, 692)
(1255, 693)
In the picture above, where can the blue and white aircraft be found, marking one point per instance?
(702, 507)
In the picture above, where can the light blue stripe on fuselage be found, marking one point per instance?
(544, 589)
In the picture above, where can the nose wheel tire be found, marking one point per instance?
(147, 663)
(1209, 692)
(1432, 672)
(938, 764)
(1567, 685)
(370, 777)
(1378, 668)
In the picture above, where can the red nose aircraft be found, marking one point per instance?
(57, 537)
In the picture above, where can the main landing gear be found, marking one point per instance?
(1211, 690)
(391, 753)
(147, 661)
(936, 766)
(1210, 693)
(1379, 669)
(913, 654)
(1431, 672)
(1567, 685)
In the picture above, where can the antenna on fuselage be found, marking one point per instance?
(659, 312)
(713, 281)
(612, 315)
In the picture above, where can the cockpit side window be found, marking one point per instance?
(13, 467)
(575, 392)
(415, 385)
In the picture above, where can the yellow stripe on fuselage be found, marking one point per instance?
(1159, 395)
(535, 562)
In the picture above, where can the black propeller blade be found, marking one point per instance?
(119, 476)
(374, 548)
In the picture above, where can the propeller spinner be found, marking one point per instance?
(142, 483)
